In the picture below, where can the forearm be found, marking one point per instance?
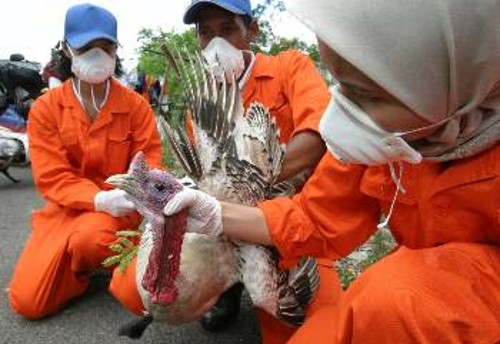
(245, 223)
(303, 152)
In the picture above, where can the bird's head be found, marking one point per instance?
(150, 190)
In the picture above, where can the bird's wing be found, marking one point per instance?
(238, 150)
(212, 105)
(257, 141)
(297, 288)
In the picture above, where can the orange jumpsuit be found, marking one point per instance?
(295, 93)
(71, 159)
(442, 285)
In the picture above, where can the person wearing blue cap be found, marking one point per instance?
(296, 95)
(81, 132)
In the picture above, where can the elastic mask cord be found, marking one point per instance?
(98, 108)
(80, 99)
(94, 104)
(243, 78)
(397, 179)
(399, 187)
(76, 90)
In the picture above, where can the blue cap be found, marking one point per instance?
(85, 23)
(240, 7)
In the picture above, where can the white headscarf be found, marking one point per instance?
(441, 58)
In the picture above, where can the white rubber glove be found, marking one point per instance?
(204, 215)
(113, 202)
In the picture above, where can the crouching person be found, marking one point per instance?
(80, 133)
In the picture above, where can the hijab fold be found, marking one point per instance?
(441, 58)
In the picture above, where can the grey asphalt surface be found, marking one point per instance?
(95, 317)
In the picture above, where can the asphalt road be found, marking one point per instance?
(95, 317)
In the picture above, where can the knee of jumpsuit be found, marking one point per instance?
(417, 296)
(42, 281)
(47, 289)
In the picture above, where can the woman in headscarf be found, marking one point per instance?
(412, 133)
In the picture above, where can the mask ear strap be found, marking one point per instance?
(397, 179)
(399, 187)
(94, 104)
(70, 50)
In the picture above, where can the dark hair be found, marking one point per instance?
(247, 20)
(62, 64)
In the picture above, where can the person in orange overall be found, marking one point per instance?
(296, 94)
(412, 134)
(81, 132)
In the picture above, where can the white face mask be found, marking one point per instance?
(224, 58)
(93, 66)
(352, 136)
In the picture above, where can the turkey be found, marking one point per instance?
(233, 156)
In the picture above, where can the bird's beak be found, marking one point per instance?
(125, 182)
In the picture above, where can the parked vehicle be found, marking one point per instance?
(20, 84)
(13, 151)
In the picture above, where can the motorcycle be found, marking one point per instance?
(13, 151)
(20, 84)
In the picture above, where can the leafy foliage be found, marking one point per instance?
(150, 61)
(270, 43)
(125, 250)
(377, 247)
(153, 63)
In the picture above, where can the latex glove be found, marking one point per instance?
(204, 214)
(113, 202)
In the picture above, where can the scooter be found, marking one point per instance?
(13, 143)
(20, 84)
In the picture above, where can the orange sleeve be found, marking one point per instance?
(145, 134)
(328, 219)
(305, 89)
(53, 175)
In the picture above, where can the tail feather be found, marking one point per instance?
(305, 281)
(185, 153)
(297, 292)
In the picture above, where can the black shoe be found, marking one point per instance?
(223, 314)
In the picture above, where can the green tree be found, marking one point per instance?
(153, 63)
(150, 60)
(270, 43)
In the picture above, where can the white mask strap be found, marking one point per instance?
(70, 50)
(430, 126)
(78, 94)
(399, 187)
(94, 104)
(242, 80)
